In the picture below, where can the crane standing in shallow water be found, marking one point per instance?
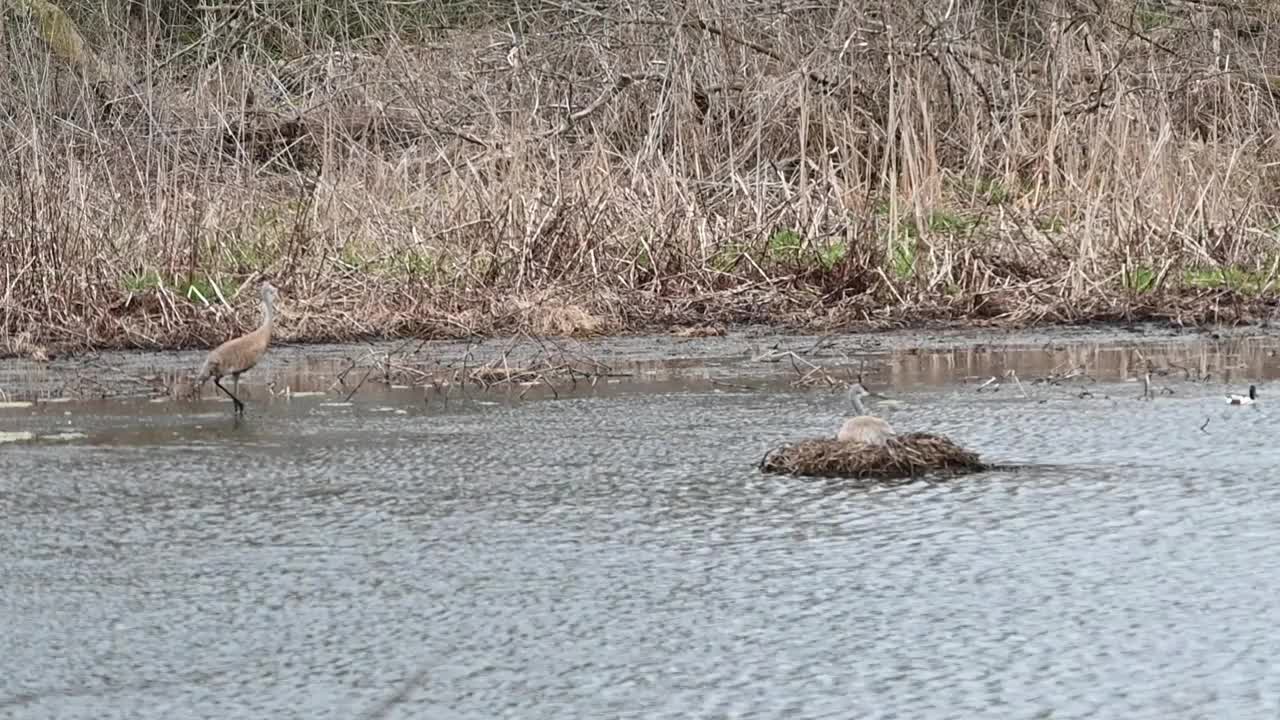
(239, 355)
(864, 428)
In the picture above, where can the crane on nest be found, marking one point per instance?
(863, 428)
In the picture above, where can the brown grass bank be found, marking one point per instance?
(451, 169)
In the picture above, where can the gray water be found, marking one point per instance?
(614, 553)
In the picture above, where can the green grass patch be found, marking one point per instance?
(726, 258)
(1232, 278)
(141, 281)
(936, 221)
(264, 241)
(413, 263)
(785, 245)
(199, 290)
(993, 190)
(903, 242)
(1150, 16)
(790, 247)
(942, 222)
(902, 255)
(196, 290)
(252, 256)
(1142, 279)
(832, 254)
(643, 257)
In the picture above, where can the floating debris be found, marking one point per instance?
(20, 436)
(63, 436)
(15, 404)
(902, 456)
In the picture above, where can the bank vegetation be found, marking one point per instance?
(444, 169)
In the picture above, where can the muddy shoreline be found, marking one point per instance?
(750, 351)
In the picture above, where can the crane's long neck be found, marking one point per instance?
(268, 315)
(856, 400)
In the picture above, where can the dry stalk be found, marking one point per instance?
(827, 167)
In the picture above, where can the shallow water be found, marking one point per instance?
(614, 553)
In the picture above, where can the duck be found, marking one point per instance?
(1249, 399)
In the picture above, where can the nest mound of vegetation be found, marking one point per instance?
(905, 456)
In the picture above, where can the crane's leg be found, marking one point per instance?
(196, 386)
(239, 405)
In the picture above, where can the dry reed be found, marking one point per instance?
(827, 165)
(906, 456)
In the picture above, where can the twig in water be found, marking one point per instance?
(1205, 425)
(1014, 374)
(773, 354)
(367, 373)
(722, 383)
(341, 378)
(819, 344)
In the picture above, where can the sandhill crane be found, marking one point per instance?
(864, 428)
(238, 355)
(1242, 399)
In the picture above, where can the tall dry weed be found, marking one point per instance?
(421, 170)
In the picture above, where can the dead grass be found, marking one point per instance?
(906, 456)
(826, 166)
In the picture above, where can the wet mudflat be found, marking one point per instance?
(614, 553)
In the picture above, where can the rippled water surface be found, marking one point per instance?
(616, 554)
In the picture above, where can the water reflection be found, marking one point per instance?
(887, 361)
